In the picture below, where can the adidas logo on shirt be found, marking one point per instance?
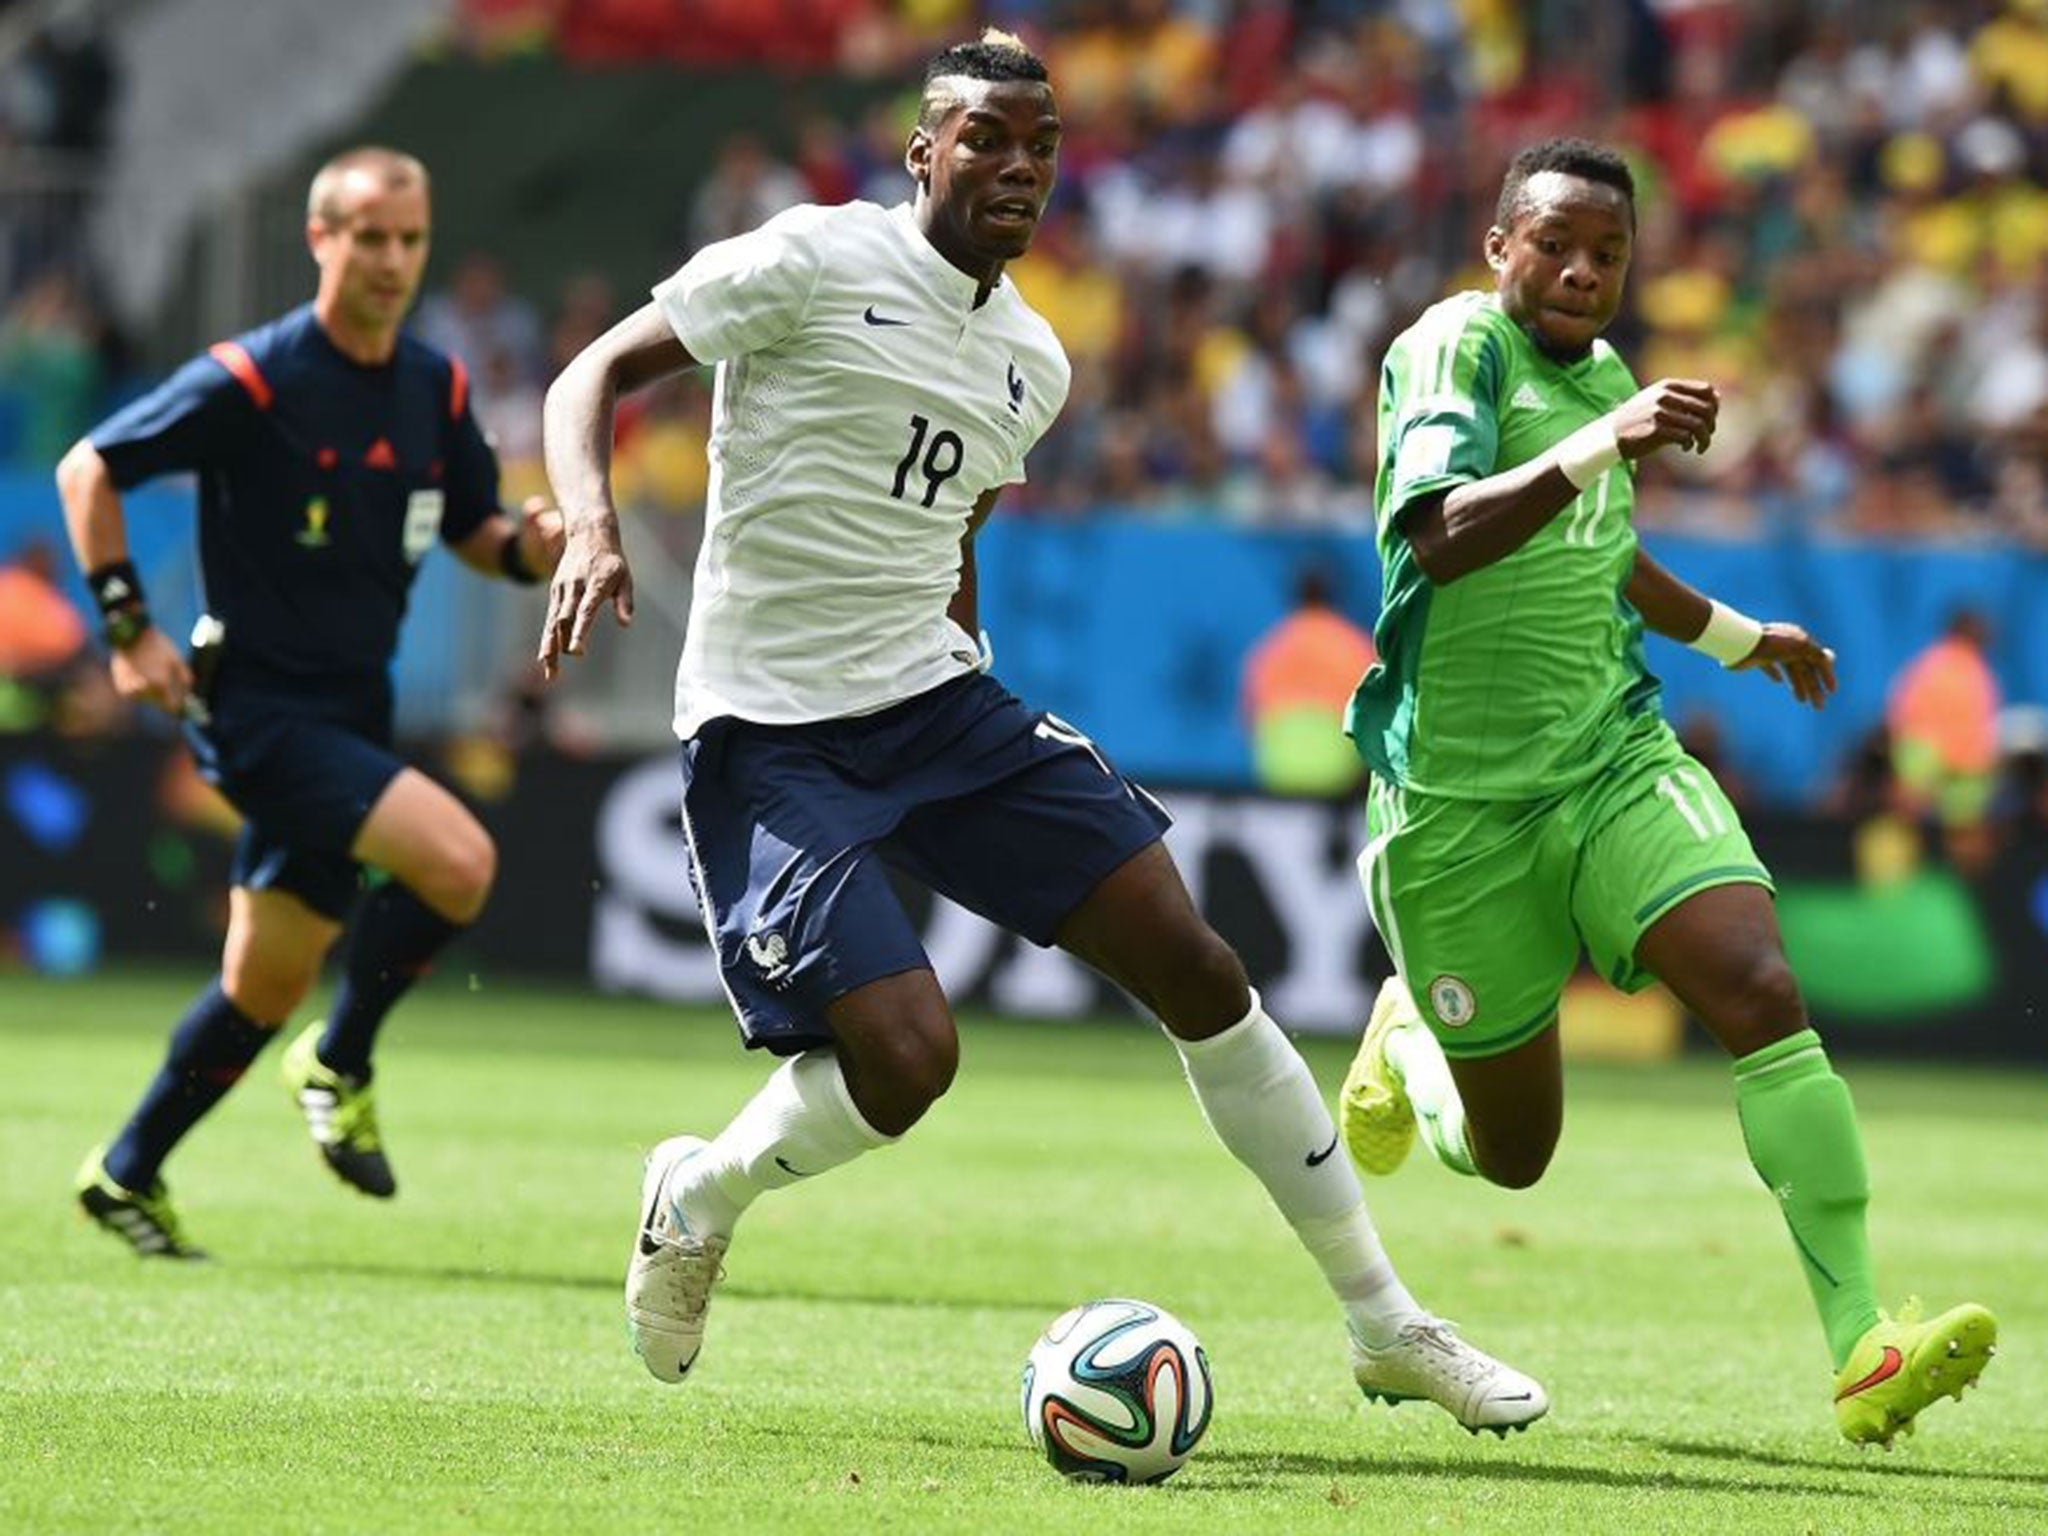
(1526, 398)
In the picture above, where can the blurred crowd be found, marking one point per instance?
(1844, 224)
(59, 357)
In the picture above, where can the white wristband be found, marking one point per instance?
(1589, 452)
(1729, 637)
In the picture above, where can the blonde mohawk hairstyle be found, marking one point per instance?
(995, 55)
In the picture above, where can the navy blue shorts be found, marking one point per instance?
(1014, 815)
(303, 764)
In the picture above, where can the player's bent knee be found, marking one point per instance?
(895, 1079)
(267, 994)
(922, 1067)
(1763, 1008)
(267, 969)
(1216, 969)
(460, 882)
(1200, 985)
(1520, 1168)
(479, 868)
(1522, 1174)
(1519, 1159)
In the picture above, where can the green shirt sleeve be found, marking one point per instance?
(1444, 423)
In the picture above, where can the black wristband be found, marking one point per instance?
(115, 585)
(124, 611)
(514, 565)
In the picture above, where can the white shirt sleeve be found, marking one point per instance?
(1013, 473)
(741, 295)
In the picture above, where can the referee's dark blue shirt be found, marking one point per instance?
(322, 482)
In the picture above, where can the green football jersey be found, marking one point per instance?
(1512, 682)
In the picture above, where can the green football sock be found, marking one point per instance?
(1800, 1127)
(1416, 1058)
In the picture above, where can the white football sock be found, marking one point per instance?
(1261, 1100)
(1417, 1059)
(802, 1122)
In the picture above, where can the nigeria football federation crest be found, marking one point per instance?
(1452, 1001)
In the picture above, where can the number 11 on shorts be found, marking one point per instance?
(1705, 817)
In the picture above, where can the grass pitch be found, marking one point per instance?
(456, 1360)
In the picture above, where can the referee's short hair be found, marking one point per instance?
(394, 168)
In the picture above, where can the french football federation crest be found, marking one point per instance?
(770, 953)
(1016, 383)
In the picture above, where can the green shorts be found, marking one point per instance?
(1485, 903)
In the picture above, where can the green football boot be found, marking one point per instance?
(342, 1115)
(1373, 1110)
(1901, 1365)
(147, 1221)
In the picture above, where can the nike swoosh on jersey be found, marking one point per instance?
(1316, 1159)
(872, 318)
(1887, 1368)
(795, 1173)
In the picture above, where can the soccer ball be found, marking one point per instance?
(1117, 1392)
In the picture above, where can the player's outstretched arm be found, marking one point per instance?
(576, 441)
(1788, 654)
(1670, 605)
(1473, 525)
(145, 665)
(1785, 653)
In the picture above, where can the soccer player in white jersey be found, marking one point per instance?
(879, 381)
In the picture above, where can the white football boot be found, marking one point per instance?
(1428, 1361)
(669, 1281)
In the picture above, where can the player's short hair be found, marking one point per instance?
(995, 55)
(393, 167)
(1568, 157)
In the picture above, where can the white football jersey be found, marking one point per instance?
(863, 405)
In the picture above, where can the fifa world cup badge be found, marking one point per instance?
(314, 534)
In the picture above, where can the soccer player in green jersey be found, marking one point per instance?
(1528, 798)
